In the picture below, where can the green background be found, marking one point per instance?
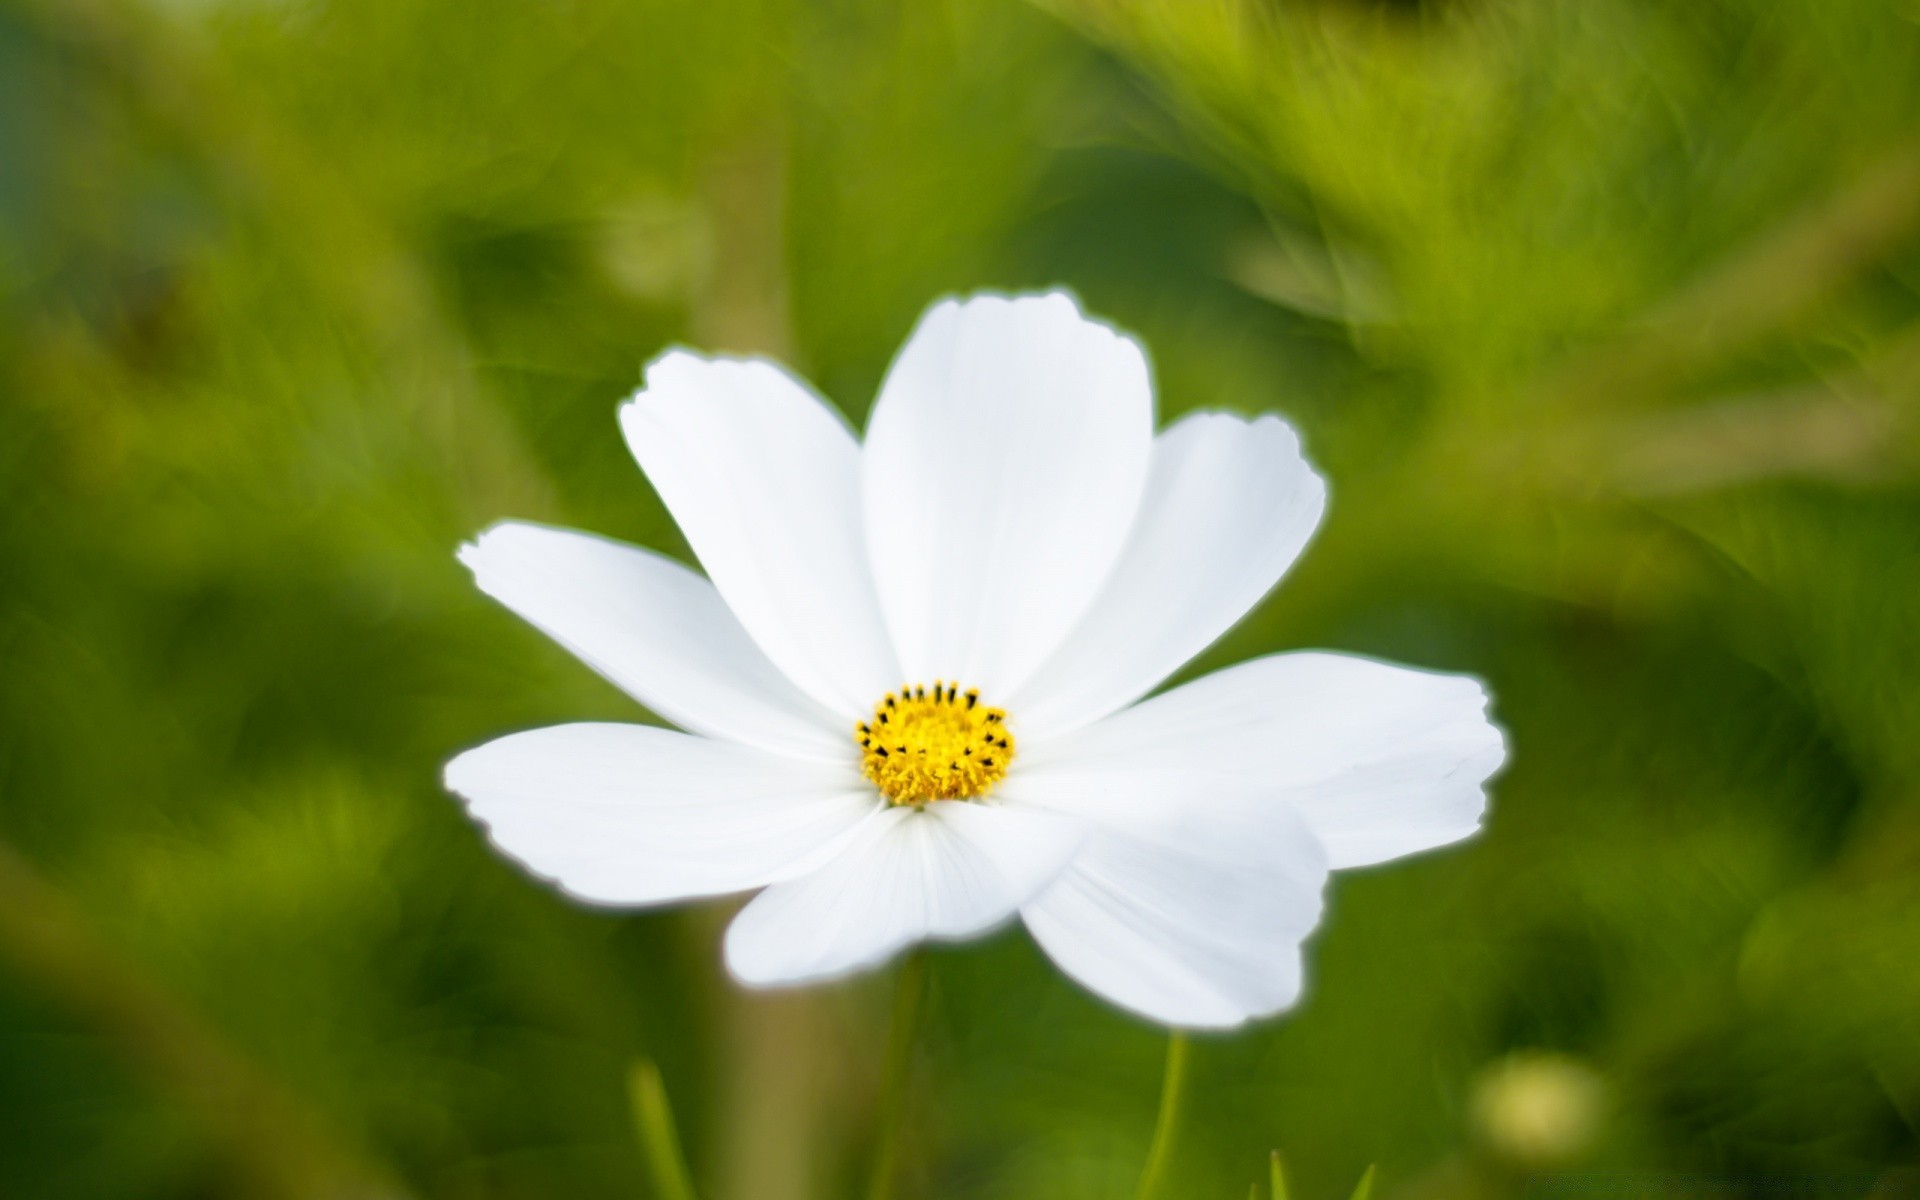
(1602, 317)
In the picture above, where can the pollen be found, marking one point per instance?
(937, 743)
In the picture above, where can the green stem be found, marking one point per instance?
(909, 990)
(1173, 1094)
(659, 1140)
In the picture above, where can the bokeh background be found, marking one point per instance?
(1601, 316)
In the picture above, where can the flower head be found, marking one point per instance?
(911, 677)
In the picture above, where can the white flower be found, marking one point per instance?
(1015, 545)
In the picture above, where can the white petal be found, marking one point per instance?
(949, 871)
(764, 480)
(657, 630)
(1197, 926)
(1229, 505)
(1381, 760)
(630, 814)
(1004, 464)
(1189, 901)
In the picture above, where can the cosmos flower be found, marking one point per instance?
(910, 680)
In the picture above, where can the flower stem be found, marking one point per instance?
(1173, 1094)
(659, 1141)
(909, 990)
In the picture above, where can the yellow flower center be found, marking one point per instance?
(936, 743)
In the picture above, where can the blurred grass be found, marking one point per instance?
(1601, 316)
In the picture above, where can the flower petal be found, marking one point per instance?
(1190, 900)
(1198, 925)
(1381, 760)
(1229, 505)
(764, 480)
(657, 630)
(1004, 464)
(630, 814)
(949, 871)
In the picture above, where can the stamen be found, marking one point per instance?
(930, 755)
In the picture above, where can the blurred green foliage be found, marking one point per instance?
(1602, 317)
